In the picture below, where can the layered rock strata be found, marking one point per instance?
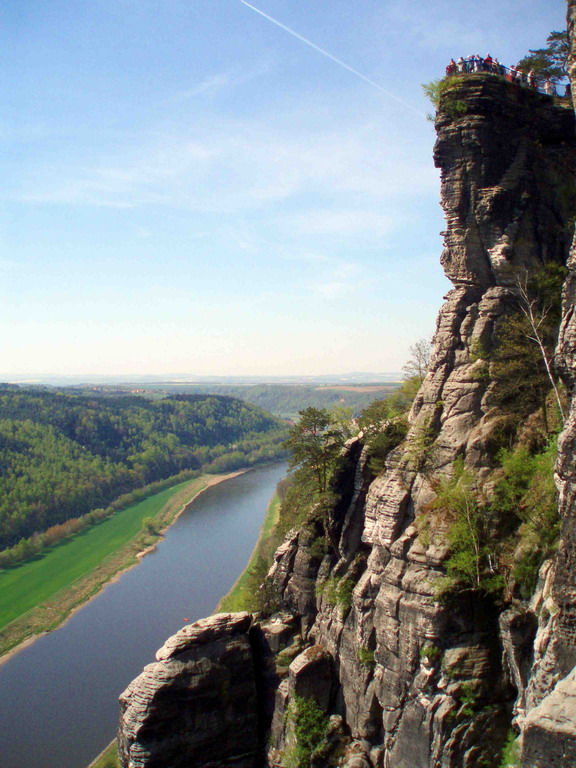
(549, 729)
(200, 698)
(410, 682)
(427, 683)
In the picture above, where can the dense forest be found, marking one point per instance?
(62, 455)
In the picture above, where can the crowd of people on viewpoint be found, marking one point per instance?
(514, 74)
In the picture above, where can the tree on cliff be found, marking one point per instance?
(550, 62)
(522, 362)
(315, 442)
(416, 367)
(419, 360)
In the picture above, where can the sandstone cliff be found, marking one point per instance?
(549, 729)
(407, 680)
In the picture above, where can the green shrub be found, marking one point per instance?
(435, 89)
(511, 751)
(366, 656)
(468, 698)
(430, 652)
(318, 548)
(150, 525)
(521, 362)
(297, 494)
(382, 443)
(310, 724)
(421, 445)
(344, 592)
(327, 590)
(337, 591)
(457, 498)
(526, 493)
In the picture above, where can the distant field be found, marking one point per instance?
(25, 586)
(360, 388)
(285, 400)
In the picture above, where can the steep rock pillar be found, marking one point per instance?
(407, 663)
(549, 730)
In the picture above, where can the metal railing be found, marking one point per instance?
(513, 75)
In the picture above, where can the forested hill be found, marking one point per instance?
(63, 455)
(284, 400)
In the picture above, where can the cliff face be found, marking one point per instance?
(504, 163)
(202, 698)
(550, 725)
(411, 682)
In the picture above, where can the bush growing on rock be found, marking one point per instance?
(310, 724)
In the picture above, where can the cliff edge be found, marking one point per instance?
(404, 678)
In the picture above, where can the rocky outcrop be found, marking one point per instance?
(549, 729)
(428, 683)
(200, 698)
(407, 680)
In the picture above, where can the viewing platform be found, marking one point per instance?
(476, 65)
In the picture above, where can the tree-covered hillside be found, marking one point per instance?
(284, 400)
(62, 455)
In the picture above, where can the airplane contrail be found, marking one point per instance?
(333, 58)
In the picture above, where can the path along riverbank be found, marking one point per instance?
(63, 579)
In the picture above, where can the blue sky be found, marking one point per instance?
(190, 189)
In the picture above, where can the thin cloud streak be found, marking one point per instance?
(341, 63)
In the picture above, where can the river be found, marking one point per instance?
(59, 696)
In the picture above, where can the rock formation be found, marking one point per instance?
(408, 681)
(200, 698)
(549, 730)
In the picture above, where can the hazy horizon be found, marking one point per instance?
(352, 377)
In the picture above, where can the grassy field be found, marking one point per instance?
(38, 595)
(108, 758)
(239, 597)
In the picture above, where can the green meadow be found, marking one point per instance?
(25, 586)
(108, 758)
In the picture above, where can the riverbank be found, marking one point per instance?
(40, 595)
(108, 758)
(242, 596)
(236, 599)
